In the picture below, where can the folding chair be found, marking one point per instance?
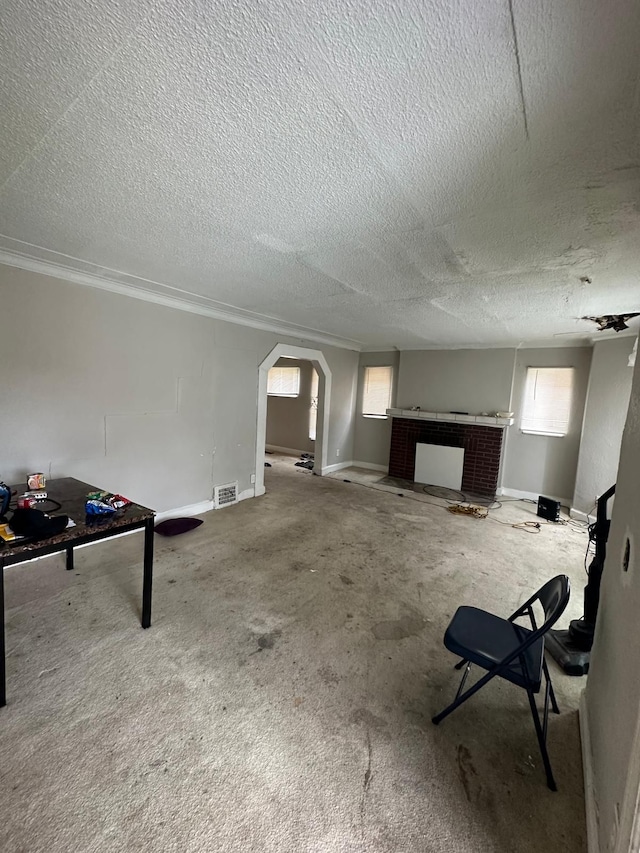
(509, 651)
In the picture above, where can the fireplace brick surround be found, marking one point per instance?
(482, 449)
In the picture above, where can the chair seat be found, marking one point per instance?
(486, 640)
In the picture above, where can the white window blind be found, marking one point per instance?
(313, 409)
(377, 391)
(547, 400)
(283, 382)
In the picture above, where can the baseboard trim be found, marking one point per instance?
(581, 516)
(181, 512)
(329, 469)
(371, 466)
(245, 494)
(185, 511)
(593, 843)
(201, 507)
(290, 451)
(530, 496)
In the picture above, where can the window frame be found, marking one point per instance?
(295, 368)
(371, 415)
(547, 433)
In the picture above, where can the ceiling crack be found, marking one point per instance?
(112, 56)
(519, 67)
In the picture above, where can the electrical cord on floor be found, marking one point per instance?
(465, 506)
(458, 509)
(474, 511)
(434, 494)
(483, 512)
(527, 526)
(582, 525)
(577, 526)
(490, 506)
(461, 499)
(484, 502)
(413, 496)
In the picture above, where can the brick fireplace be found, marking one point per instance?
(482, 449)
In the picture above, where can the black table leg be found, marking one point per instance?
(148, 573)
(69, 559)
(3, 678)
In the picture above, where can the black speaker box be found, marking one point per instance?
(549, 509)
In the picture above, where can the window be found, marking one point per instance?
(313, 409)
(547, 400)
(283, 382)
(376, 398)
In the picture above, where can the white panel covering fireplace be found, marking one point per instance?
(439, 466)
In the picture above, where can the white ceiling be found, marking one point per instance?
(415, 173)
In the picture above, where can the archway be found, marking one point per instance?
(324, 396)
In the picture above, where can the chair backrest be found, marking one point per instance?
(553, 597)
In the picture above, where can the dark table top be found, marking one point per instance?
(72, 494)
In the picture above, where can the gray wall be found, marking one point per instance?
(472, 381)
(604, 418)
(487, 381)
(288, 417)
(612, 697)
(156, 403)
(541, 464)
(373, 435)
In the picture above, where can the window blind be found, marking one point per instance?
(547, 400)
(377, 391)
(283, 381)
(313, 410)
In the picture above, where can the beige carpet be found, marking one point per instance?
(282, 699)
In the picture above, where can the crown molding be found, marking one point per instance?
(392, 348)
(436, 347)
(192, 303)
(517, 345)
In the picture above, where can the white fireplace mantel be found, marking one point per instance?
(449, 417)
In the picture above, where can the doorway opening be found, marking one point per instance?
(317, 411)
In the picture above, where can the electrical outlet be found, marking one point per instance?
(338, 452)
(253, 478)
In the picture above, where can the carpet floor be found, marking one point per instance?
(281, 700)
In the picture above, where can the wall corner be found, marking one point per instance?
(590, 800)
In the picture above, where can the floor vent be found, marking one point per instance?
(225, 495)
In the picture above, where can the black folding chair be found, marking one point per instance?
(510, 651)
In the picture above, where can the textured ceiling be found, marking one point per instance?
(409, 173)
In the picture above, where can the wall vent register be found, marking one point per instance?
(225, 495)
